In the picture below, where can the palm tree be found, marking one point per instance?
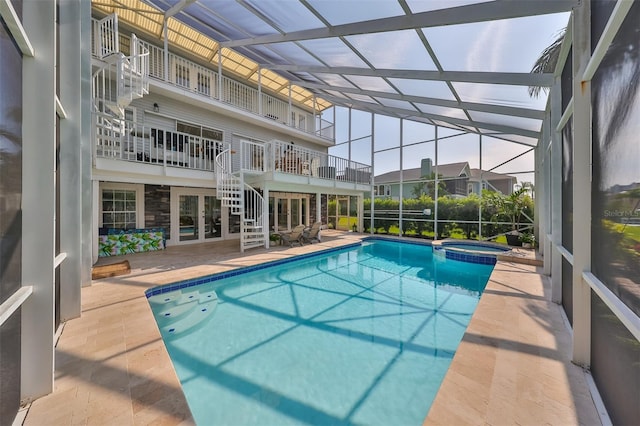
(546, 62)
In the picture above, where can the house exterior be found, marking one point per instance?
(198, 153)
(498, 182)
(456, 179)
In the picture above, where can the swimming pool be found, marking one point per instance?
(358, 335)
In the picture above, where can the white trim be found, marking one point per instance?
(60, 109)
(613, 25)
(9, 306)
(16, 29)
(565, 253)
(597, 399)
(622, 311)
(59, 259)
(566, 115)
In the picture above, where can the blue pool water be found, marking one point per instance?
(362, 335)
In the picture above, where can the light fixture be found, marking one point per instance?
(156, 107)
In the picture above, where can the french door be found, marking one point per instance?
(291, 210)
(196, 216)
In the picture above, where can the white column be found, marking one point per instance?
(70, 168)
(401, 189)
(480, 189)
(556, 193)
(581, 185)
(318, 207)
(165, 31)
(373, 169)
(265, 215)
(86, 148)
(435, 183)
(38, 200)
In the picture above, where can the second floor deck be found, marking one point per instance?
(134, 143)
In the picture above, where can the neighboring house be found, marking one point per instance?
(491, 181)
(457, 180)
(201, 155)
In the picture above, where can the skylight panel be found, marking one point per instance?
(394, 49)
(426, 88)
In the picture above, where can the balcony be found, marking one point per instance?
(282, 159)
(202, 81)
(121, 139)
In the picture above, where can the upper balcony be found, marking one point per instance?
(183, 153)
(187, 75)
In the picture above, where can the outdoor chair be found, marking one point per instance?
(312, 234)
(293, 237)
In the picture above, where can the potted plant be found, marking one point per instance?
(512, 207)
(528, 240)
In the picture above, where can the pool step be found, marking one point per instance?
(195, 316)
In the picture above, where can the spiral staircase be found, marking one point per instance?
(242, 200)
(116, 84)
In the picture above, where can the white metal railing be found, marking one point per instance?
(13, 302)
(199, 79)
(121, 139)
(105, 36)
(281, 157)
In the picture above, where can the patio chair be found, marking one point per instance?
(295, 236)
(312, 234)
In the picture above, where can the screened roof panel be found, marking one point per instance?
(507, 120)
(288, 50)
(288, 16)
(498, 94)
(371, 83)
(338, 12)
(334, 53)
(504, 45)
(426, 88)
(335, 80)
(216, 15)
(395, 49)
(438, 110)
(417, 6)
(396, 104)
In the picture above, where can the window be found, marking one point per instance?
(383, 190)
(119, 208)
(210, 142)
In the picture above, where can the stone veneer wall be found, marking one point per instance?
(157, 204)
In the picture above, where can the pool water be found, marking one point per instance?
(356, 336)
